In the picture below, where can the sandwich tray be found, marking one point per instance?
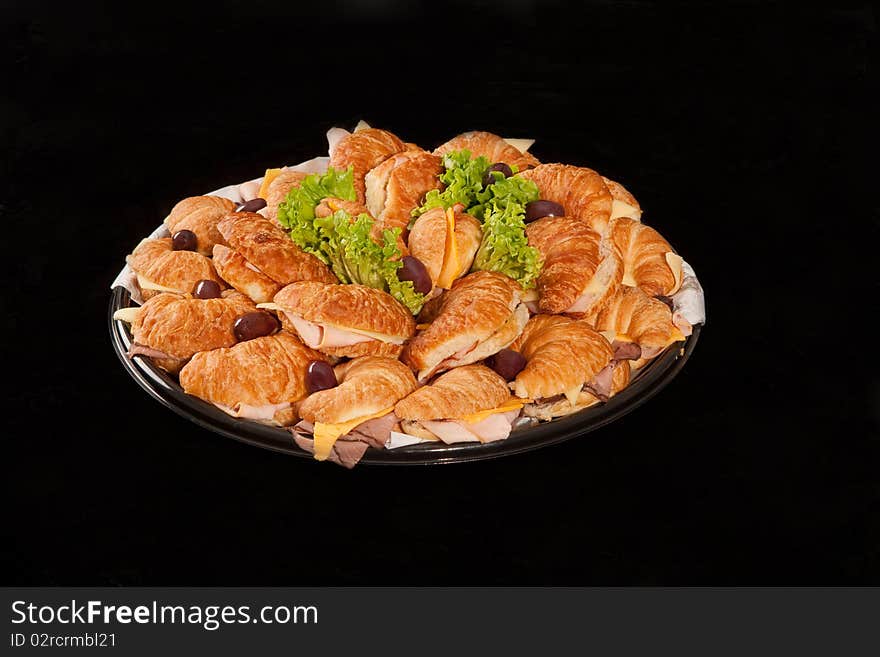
(646, 383)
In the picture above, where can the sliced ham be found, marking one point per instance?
(319, 336)
(264, 412)
(626, 350)
(450, 432)
(346, 454)
(494, 427)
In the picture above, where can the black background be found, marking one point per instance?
(743, 128)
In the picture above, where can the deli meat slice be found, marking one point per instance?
(318, 336)
(494, 427)
(345, 453)
(626, 350)
(138, 349)
(601, 383)
(374, 432)
(450, 432)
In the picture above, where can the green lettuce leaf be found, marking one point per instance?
(463, 179)
(297, 211)
(503, 192)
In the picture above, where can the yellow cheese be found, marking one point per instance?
(146, 284)
(573, 393)
(449, 270)
(674, 261)
(621, 209)
(127, 315)
(511, 405)
(326, 434)
(271, 174)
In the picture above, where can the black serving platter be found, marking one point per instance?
(165, 389)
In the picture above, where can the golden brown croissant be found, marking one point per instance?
(200, 215)
(265, 246)
(493, 147)
(547, 409)
(480, 315)
(581, 271)
(364, 150)
(398, 186)
(623, 204)
(455, 394)
(562, 355)
(648, 261)
(345, 320)
(171, 328)
(160, 268)
(635, 317)
(445, 256)
(278, 190)
(259, 379)
(580, 191)
(367, 385)
(244, 277)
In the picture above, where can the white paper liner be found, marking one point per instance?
(688, 303)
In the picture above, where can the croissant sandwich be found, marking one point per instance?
(259, 379)
(364, 150)
(159, 268)
(648, 261)
(581, 270)
(481, 314)
(493, 147)
(398, 185)
(446, 242)
(639, 326)
(170, 328)
(276, 191)
(340, 423)
(344, 320)
(581, 192)
(266, 255)
(569, 366)
(468, 404)
(200, 215)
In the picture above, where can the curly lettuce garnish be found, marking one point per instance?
(297, 211)
(463, 179)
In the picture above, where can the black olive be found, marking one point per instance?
(413, 270)
(184, 240)
(507, 363)
(206, 289)
(254, 325)
(538, 209)
(320, 376)
(252, 206)
(501, 168)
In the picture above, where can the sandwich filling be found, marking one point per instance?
(485, 427)
(322, 335)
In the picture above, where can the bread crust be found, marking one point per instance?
(560, 353)
(267, 370)
(233, 268)
(643, 252)
(474, 309)
(493, 147)
(398, 186)
(348, 307)
(200, 215)
(580, 191)
(367, 385)
(365, 150)
(455, 394)
(157, 261)
(645, 320)
(270, 249)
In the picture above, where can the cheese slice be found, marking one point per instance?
(621, 209)
(675, 263)
(512, 405)
(326, 434)
(450, 269)
(126, 314)
(392, 339)
(573, 393)
(271, 174)
(522, 145)
(146, 284)
(361, 125)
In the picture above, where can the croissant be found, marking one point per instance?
(623, 204)
(635, 317)
(398, 185)
(265, 246)
(364, 150)
(562, 355)
(580, 191)
(171, 328)
(493, 147)
(446, 256)
(243, 276)
(481, 314)
(259, 379)
(345, 320)
(278, 189)
(200, 215)
(547, 409)
(648, 261)
(581, 270)
(160, 268)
